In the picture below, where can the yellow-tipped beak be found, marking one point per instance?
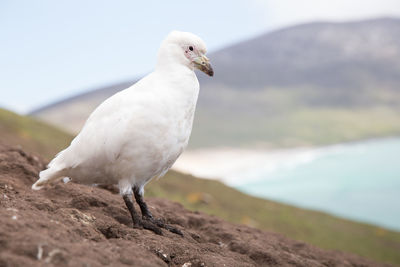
(203, 64)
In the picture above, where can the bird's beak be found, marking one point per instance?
(203, 64)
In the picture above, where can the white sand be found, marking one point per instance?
(232, 166)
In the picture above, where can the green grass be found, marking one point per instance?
(215, 198)
(31, 134)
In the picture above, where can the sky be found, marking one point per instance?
(50, 49)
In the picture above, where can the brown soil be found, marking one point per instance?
(77, 225)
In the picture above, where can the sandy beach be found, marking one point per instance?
(230, 165)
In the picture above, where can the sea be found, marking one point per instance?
(359, 181)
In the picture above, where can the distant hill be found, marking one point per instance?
(352, 55)
(310, 84)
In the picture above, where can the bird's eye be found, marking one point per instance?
(191, 48)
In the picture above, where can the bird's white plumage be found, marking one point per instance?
(138, 133)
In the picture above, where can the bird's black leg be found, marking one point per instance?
(143, 206)
(137, 221)
(146, 214)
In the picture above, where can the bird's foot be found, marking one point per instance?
(148, 221)
(159, 223)
(146, 224)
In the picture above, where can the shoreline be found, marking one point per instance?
(230, 165)
(236, 166)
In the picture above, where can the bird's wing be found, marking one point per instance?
(116, 121)
(100, 138)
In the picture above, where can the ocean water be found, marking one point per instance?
(359, 181)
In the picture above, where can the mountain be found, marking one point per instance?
(310, 84)
(332, 56)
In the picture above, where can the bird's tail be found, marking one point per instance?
(47, 177)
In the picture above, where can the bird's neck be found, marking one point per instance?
(170, 67)
(177, 74)
(181, 84)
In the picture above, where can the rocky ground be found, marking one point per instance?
(77, 225)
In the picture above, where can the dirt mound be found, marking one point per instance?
(77, 225)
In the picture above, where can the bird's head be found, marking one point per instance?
(185, 48)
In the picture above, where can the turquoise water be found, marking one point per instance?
(359, 181)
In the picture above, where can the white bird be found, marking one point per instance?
(138, 133)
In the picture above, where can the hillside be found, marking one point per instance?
(215, 198)
(77, 225)
(32, 135)
(311, 84)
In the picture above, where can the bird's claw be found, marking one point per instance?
(145, 224)
(155, 225)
